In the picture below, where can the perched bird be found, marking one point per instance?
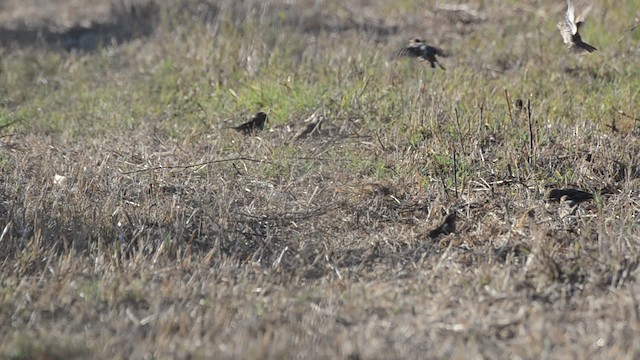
(254, 125)
(423, 51)
(569, 30)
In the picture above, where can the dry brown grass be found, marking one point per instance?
(171, 236)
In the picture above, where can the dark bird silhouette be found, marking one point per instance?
(570, 194)
(569, 30)
(254, 125)
(423, 51)
(448, 226)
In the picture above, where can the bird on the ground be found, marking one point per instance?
(425, 52)
(314, 123)
(309, 129)
(254, 125)
(447, 227)
(519, 107)
(577, 195)
(569, 27)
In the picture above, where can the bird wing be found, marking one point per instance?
(567, 26)
(565, 31)
(579, 20)
(570, 18)
(412, 51)
(244, 128)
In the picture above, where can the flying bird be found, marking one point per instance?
(569, 30)
(418, 48)
(254, 125)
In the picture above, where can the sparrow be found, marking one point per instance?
(310, 129)
(519, 106)
(314, 123)
(254, 125)
(569, 30)
(418, 48)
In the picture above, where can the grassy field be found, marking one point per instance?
(424, 218)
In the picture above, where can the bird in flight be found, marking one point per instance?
(569, 27)
(254, 125)
(418, 48)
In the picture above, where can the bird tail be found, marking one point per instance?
(586, 47)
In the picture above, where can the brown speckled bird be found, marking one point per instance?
(254, 125)
(309, 129)
(418, 48)
(569, 27)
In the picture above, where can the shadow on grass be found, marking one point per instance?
(126, 24)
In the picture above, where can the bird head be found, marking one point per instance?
(262, 117)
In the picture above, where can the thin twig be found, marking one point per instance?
(293, 216)
(161, 167)
(182, 167)
(455, 171)
(619, 111)
(9, 124)
(531, 139)
(481, 123)
(506, 96)
(628, 31)
(384, 148)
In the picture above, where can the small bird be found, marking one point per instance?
(569, 30)
(447, 227)
(309, 129)
(418, 48)
(576, 195)
(314, 123)
(519, 107)
(254, 125)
